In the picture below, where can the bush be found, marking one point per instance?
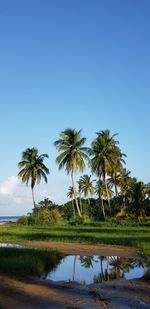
(45, 216)
(77, 221)
(23, 220)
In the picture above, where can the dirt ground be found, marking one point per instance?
(49, 295)
(39, 294)
(85, 249)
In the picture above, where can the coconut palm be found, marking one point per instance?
(100, 190)
(126, 184)
(32, 168)
(72, 155)
(115, 177)
(46, 203)
(138, 201)
(86, 185)
(70, 194)
(105, 153)
(99, 193)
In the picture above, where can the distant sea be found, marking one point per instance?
(9, 218)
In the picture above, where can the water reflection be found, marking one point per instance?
(96, 269)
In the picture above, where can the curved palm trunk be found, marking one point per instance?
(75, 196)
(107, 195)
(73, 209)
(81, 209)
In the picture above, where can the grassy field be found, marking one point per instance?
(28, 261)
(102, 233)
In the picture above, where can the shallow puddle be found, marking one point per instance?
(7, 245)
(95, 269)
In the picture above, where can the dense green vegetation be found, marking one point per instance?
(28, 262)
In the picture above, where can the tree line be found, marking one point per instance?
(106, 162)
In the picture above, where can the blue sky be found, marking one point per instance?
(79, 63)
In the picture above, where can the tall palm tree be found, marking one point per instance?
(72, 155)
(105, 153)
(100, 190)
(138, 198)
(32, 168)
(126, 184)
(70, 194)
(86, 185)
(115, 177)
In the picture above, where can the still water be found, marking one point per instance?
(94, 269)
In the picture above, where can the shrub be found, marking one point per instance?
(45, 216)
(23, 220)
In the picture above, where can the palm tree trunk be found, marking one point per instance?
(80, 203)
(75, 196)
(103, 209)
(116, 190)
(73, 209)
(107, 195)
(32, 188)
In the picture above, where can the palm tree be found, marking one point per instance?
(46, 203)
(126, 184)
(99, 191)
(70, 194)
(105, 153)
(115, 177)
(32, 168)
(86, 185)
(138, 199)
(72, 155)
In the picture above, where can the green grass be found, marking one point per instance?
(102, 233)
(28, 261)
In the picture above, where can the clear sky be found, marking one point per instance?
(83, 64)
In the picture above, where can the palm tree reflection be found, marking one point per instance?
(111, 267)
(116, 268)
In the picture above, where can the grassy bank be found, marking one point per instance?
(27, 261)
